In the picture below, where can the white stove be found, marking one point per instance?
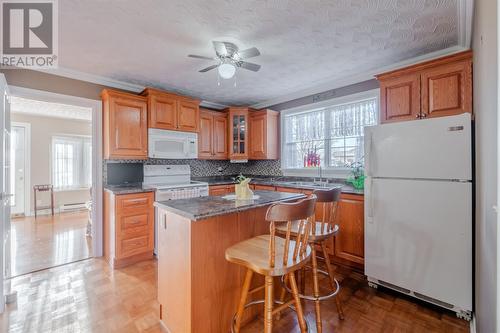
(172, 182)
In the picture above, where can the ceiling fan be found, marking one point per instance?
(230, 57)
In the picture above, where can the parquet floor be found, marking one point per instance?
(88, 297)
(48, 241)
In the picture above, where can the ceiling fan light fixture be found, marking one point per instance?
(226, 70)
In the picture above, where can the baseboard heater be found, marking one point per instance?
(72, 207)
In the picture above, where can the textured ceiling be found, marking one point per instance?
(47, 109)
(302, 42)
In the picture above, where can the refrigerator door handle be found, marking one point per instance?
(368, 154)
(369, 196)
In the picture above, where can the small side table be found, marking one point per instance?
(44, 188)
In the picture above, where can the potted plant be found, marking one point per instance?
(357, 176)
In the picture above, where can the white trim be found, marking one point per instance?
(472, 324)
(330, 84)
(329, 172)
(27, 164)
(92, 78)
(213, 105)
(97, 186)
(465, 15)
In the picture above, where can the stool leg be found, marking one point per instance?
(316, 289)
(268, 305)
(332, 282)
(243, 299)
(298, 305)
(282, 296)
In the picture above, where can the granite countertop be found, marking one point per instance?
(205, 207)
(282, 182)
(127, 189)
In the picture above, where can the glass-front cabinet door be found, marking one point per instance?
(238, 133)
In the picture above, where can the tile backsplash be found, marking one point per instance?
(206, 168)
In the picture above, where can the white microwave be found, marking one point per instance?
(172, 144)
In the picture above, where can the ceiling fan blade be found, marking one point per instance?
(249, 53)
(220, 48)
(250, 66)
(200, 57)
(208, 68)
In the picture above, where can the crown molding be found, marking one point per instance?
(352, 79)
(213, 105)
(96, 79)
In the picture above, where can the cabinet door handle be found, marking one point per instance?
(418, 116)
(165, 221)
(424, 115)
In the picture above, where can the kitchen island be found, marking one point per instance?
(198, 289)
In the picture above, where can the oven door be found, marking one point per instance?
(172, 145)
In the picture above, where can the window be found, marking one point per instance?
(71, 162)
(330, 136)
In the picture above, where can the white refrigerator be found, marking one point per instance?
(418, 210)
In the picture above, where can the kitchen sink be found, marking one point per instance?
(313, 184)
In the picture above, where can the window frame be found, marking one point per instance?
(81, 139)
(327, 171)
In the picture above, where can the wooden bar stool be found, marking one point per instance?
(272, 256)
(321, 232)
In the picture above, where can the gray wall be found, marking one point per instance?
(485, 48)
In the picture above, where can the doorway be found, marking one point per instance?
(56, 134)
(20, 169)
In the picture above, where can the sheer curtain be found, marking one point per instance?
(71, 162)
(332, 135)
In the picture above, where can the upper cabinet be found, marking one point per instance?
(212, 140)
(125, 130)
(238, 133)
(171, 112)
(264, 133)
(435, 88)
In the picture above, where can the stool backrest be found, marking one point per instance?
(329, 200)
(301, 211)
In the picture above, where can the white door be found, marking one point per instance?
(18, 167)
(437, 148)
(4, 186)
(418, 236)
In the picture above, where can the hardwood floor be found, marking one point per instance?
(88, 297)
(48, 241)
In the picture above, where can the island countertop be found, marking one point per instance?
(210, 206)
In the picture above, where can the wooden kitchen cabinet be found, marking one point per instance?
(238, 133)
(436, 88)
(400, 98)
(128, 228)
(171, 112)
(258, 187)
(221, 189)
(349, 244)
(125, 129)
(212, 140)
(264, 134)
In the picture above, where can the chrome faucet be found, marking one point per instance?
(320, 175)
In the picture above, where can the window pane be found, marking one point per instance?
(307, 136)
(71, 162)
(347, 124)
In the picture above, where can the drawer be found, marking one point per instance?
(132, 246)
(133, 221)
(134, 232)
(134, 202)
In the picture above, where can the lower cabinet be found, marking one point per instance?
(220, 189)
(128, 228)
(349, 244)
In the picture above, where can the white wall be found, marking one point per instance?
(485, 46)
(42, 130)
